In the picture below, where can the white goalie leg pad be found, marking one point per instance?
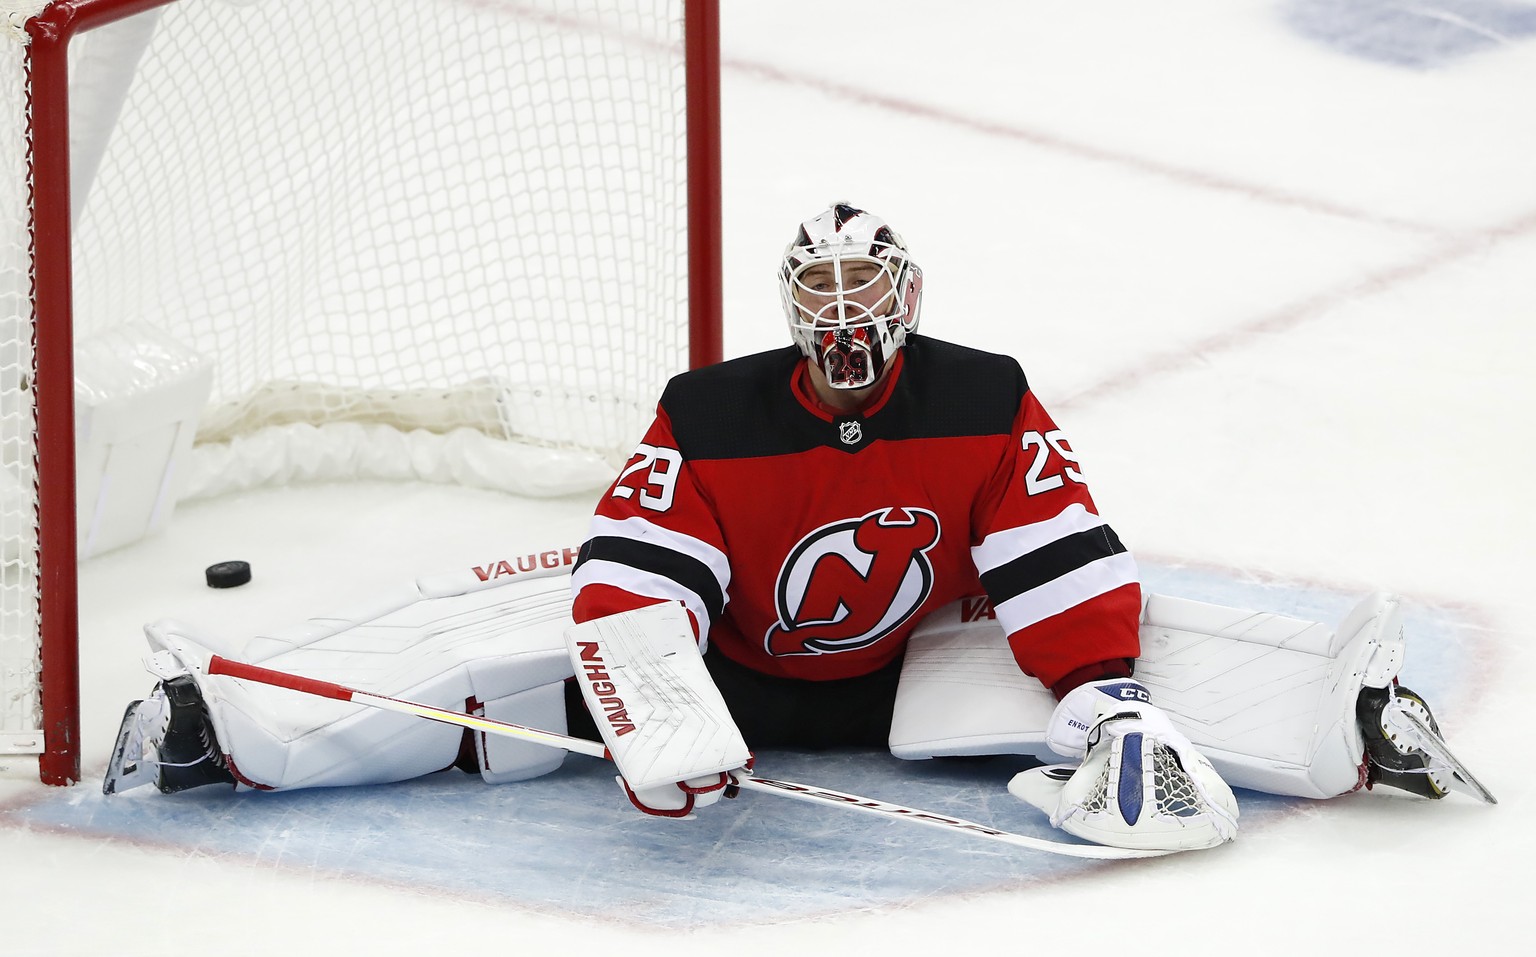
(504, 759)
(1271, 699)
(962, 693)
(454, 642)
(653, 700)
(1267, 698)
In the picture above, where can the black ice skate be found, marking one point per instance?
(1404, 749)
(168, 739)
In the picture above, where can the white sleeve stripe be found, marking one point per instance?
(644, 584)
(1069, 591)
(1002, 547)
(638, 529)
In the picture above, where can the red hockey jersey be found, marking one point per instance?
(808, 544)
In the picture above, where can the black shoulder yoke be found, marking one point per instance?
(745, 408)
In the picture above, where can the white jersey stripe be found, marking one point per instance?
(1068, 591)
(1000, 548)
(638, 529)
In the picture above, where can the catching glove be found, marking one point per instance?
(1141, 783)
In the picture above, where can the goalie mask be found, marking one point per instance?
(851, 294)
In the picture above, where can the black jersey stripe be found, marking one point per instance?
(1050, 562)
(688, 572)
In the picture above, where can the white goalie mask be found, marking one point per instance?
(851, 294)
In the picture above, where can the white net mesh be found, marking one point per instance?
(1174, 791)
(440, 196)
(20, 709)
(442, 216)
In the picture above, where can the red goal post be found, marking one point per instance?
(489, 219)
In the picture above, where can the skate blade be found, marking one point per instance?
(1434, 745)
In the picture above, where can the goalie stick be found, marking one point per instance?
(218, 665)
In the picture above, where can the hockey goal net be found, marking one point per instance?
(475, 224)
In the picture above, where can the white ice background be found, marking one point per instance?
(1270, 263)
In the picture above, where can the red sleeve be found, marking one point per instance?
(1063, 586)
(654, 537)
(599, 601)
(1098, 671)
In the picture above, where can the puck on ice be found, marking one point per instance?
(228, 574)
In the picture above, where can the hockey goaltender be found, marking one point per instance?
(870, 538)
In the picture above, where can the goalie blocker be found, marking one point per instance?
(658, 711)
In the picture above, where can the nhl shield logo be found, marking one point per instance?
(850, 432)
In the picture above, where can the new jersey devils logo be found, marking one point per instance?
(849, 584)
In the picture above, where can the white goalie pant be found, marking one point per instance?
(1270, 700)
(453, 641)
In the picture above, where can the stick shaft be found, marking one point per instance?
(855, 802)
(326, 689)
(804, 792)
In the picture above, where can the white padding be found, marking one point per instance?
(1269, 699)
(653, 700)
(962, 692)
(486, 645)
(138, 394)
(352, 451)
(505, 759)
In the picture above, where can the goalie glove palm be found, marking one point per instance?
(1142, 784)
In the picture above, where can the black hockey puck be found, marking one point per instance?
(228, 574)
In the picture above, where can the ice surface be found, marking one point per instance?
(1278, 288)
(569, 843)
